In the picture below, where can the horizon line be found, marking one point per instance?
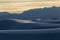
(19, 12)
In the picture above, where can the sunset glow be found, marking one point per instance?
(16, 6)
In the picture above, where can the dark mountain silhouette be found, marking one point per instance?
(52, 12)
(4, 15)
(32, 14)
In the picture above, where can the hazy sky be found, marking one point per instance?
(23, 5)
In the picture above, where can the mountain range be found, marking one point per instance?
(33, 14)
(7, 20)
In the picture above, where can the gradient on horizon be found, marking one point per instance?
(16, 6)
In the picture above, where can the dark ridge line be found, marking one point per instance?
(33, 9)
(42, 8)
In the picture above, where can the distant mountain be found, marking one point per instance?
(4, 15)
(44, 13)
(33, 14)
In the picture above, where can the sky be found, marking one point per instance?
(16, 6)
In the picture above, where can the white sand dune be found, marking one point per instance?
(54, 30)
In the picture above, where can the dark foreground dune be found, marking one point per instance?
(31, 34)
(21, 31)
(44, 34)
(47, 36)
